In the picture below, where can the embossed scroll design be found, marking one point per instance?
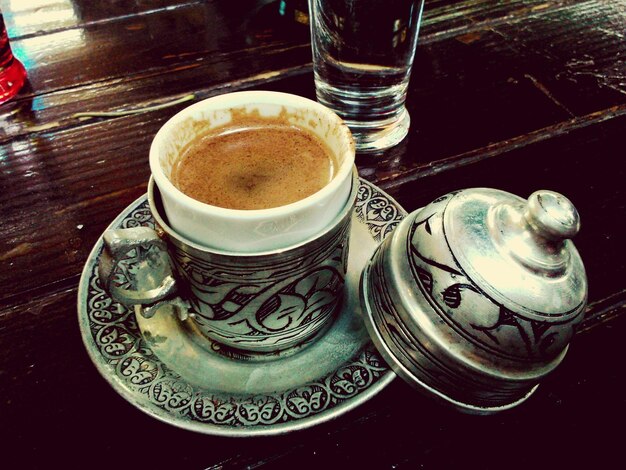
(120, 348)
(465, 307)
(408, 348)
(377, 211)
(275, 301)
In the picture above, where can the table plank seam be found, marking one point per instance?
(71, 122)
(502, 147)
(491, 23)
(104, 21)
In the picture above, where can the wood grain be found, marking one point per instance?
(517, 95)
(188, 56)
(474, 91)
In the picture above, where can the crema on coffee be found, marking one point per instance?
(254, 164)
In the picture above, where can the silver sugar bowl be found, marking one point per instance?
(475, 298)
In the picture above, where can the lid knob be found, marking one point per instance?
(552, 216)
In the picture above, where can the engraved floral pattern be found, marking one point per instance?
(380, 213)
(456, 298)
(268, 303)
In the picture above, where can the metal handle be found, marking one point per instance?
(161, 287)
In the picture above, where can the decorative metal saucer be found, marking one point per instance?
(164, 368)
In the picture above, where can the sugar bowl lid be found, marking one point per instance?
(474, 298)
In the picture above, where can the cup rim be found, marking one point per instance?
(242, 98)
(154, 192)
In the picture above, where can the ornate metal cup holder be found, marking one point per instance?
(165, 368)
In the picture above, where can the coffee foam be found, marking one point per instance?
(253, 162)
(184, 130)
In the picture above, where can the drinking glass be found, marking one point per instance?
(362, 56)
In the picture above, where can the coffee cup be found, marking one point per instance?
(264, 301)
(252, 231)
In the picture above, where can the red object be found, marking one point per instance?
(12, 72)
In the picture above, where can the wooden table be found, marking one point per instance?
(516, 95)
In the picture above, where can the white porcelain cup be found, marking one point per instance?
(252, 231)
